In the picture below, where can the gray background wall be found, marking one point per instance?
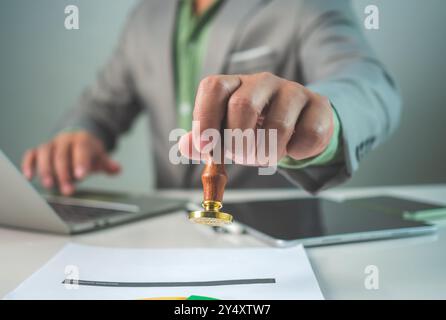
(43, 69)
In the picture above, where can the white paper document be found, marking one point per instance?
(86, 272)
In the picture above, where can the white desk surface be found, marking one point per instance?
(408, 268)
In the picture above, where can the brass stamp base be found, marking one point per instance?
(211, 215)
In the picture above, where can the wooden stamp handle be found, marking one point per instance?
(214, 179)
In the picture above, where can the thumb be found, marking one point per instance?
(110, 166)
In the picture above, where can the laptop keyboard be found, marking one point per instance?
(80, 214)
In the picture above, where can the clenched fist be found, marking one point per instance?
(303, 119)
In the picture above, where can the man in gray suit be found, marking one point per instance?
(301, 67)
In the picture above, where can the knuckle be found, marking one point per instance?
(66, 138)
(241, 104)
(297, 92)
(265, 75)
(82, 142)
(324, 100)
(212, 83)
(321, 101)
(282, 126)
(316, 136)
(43, 147)
(62, 136)
(82, 136)
(292, 85)
(44, 150)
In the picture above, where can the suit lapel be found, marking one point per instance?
(222, 35)
(161, 21)
(162, 26)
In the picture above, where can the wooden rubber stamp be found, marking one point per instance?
(214, 179)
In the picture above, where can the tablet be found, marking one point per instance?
(315, 221)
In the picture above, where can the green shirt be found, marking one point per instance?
(191, 40)
(190, 48)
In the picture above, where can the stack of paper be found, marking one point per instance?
(85, 272)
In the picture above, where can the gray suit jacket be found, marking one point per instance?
(316, 42)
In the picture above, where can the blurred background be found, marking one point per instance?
(44, 68)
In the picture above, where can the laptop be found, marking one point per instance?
(21, 206)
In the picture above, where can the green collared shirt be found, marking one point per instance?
(191, 39)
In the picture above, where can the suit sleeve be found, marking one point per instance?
(108, 107)
(337, 62)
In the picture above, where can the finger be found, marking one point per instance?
(44, 165)
(313, 130)
(245, 108)
(282, 116)
(250, 99)
(28, 163)
(110, 166)
(82, 158)
(62, 165)
(211, 104)
(187, 147)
